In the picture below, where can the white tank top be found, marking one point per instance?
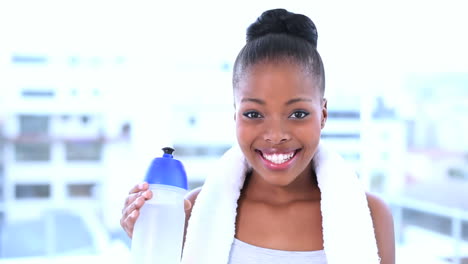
(243, 253)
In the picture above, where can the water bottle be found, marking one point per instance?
(159, 230)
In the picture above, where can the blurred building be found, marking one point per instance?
(59, 136)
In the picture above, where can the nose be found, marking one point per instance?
(276, 132)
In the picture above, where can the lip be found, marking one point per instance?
(270, 151)
(273, 166)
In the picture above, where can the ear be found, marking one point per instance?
(324, 112)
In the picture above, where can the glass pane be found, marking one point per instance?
(71, 235)
(83, 151)
(28, 151)
(55, 233)
(23, 191)
(23, 239)
(33, 124)
(344, 114)
(200, 150)
(80, 190)
(38, 93)
(1, 182)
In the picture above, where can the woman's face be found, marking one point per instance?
(279, 115)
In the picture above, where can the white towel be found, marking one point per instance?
(348, 231)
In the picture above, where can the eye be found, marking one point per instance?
(252, 115)
(299, 114)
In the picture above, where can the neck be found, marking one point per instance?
(304, 187)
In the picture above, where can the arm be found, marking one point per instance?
(384, 231)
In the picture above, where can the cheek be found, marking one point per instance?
(308, 133)
(241, 132)
(245, 132)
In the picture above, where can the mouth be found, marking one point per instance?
(278, 159)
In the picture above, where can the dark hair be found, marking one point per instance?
(280, 35)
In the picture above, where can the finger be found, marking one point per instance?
(187, 204)
(147, 194)
(143, 186)
(139, 202)
(131, 198)
(129, 222)
(124, 224)
(135, 205)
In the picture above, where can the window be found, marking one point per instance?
(80, 190)
(55, 233)
(344, 114)
(343, 135)
(85, 119)
(34, 125)
(32, 151)
(1, 182)
(83, 151)
(28, 59)
(2, 224)
(200, 150)
(25, 191)
(38, 93)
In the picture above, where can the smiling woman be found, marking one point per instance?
(280, 196)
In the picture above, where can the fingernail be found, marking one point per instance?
(140, 186)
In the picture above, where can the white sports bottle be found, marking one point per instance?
(159, 230)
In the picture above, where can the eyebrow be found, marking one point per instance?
(295, 100)
(255, 100)
(259, 101)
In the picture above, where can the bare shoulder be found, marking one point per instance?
(384, 230)
(378, 207)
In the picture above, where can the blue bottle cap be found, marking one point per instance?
(167, 171)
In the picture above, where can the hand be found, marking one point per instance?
(136, 198)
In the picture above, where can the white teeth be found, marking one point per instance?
(278, 158)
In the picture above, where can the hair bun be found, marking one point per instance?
(282, 21)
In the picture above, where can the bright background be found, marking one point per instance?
(90, 91)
